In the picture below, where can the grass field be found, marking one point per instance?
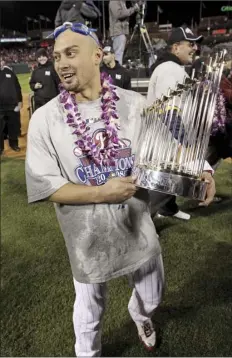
(37, 293)
(24, 82)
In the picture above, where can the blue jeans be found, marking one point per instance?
(119, 44)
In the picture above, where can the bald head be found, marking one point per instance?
(77, 59)
(69, 37)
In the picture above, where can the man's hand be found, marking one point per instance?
(117, 190)
(38, 85)
(211, 190)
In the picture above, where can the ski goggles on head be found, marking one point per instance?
(78, 28)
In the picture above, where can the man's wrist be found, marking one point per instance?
(98, 196)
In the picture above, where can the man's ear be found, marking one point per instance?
(175, 48)
(98, 56)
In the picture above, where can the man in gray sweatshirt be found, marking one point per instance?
(167, 71)
(119, 25)
(105, 220)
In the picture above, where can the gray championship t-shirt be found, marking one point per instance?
(103, 240)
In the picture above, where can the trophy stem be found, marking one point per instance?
(165, 132)
(183, 126)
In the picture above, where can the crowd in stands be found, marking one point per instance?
(22, 55)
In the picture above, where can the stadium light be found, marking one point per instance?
(17, 39)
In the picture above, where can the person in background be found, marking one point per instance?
(218, 148)
(227, 69)
(44, 80)
(169, 70)
(78, 11)
(120, 76)
(220, 144)
(10, 105)
(69, 10)
(119, 25)
(90, 12)
(198, 63)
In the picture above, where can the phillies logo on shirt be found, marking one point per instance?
(100, 139)
(98, 174)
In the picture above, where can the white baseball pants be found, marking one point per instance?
(89, 306)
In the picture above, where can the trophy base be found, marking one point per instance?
(170, 183)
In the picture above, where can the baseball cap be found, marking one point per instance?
(41, 52)
(183, 34)
(107, 49)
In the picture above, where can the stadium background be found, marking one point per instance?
(25, 26)
(37, 293)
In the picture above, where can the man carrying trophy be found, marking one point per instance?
(169, 70)
(80, 155)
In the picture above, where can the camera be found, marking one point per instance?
(141, 12)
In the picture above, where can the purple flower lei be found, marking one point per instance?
(106, 155)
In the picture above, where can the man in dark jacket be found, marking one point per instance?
(119, 74)
(10, 105)
(44, 80)
(69, 10)
(76, 11)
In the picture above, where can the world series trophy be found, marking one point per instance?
(175, 134)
